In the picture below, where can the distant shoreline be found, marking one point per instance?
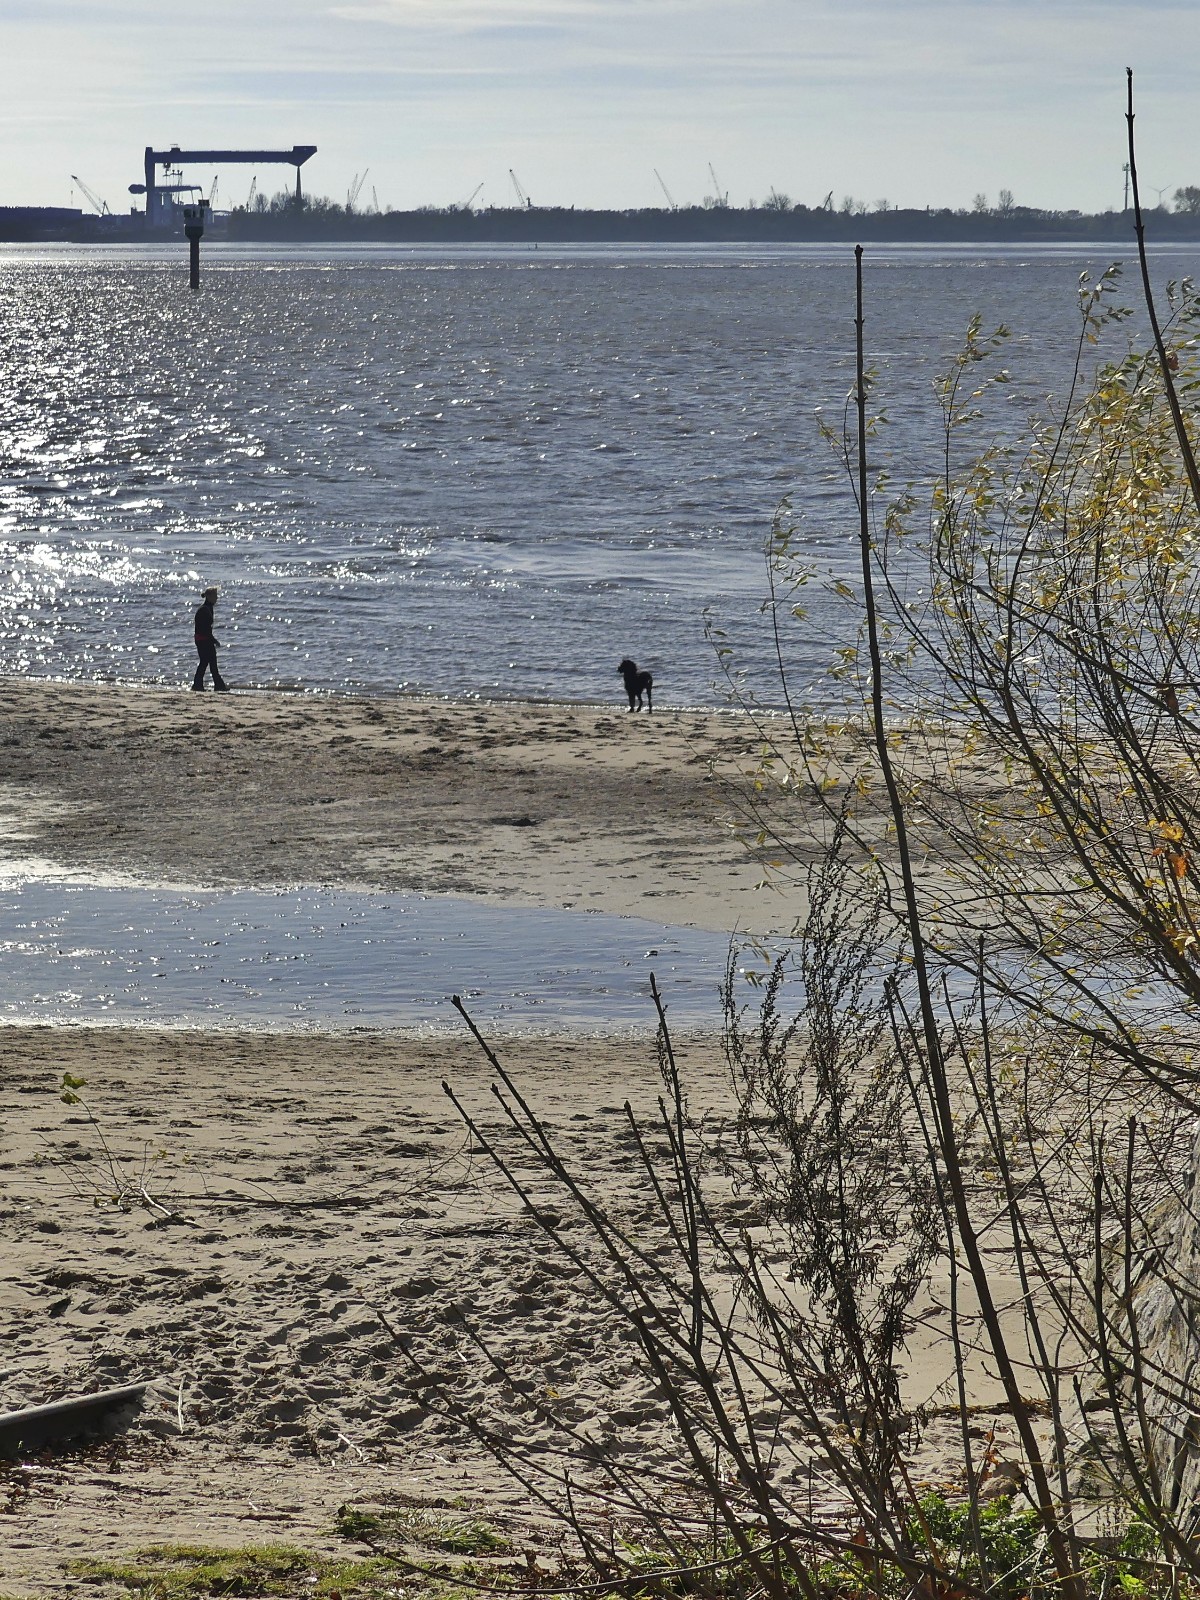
(696, 225)
(322, 222)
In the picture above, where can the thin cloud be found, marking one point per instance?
(474, 13)
(464, 15)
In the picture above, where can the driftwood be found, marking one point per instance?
(38, 1426)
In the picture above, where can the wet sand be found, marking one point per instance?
(537, 804)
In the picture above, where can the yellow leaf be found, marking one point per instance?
(1170, 831)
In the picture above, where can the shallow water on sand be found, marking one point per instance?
(474, 472)
(321, 959)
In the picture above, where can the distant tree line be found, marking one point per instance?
(777, 219)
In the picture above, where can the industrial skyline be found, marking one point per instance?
(919, 102)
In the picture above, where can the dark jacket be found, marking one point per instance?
(204, 623)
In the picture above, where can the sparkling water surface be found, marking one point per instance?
(327, 959)
(476, 472)
(488, 472)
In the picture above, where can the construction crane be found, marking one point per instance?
(468, 203)
(522, 198)
(93, 199)
(212, 196)
(827, 203)
(355, 189)
(253, 191)
(374, 201)
(722, 200)
(665, 190)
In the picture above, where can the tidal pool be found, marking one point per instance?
(318, 958)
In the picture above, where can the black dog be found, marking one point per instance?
(637, 684)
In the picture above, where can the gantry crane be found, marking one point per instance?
(158, 201)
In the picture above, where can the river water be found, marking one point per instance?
(486, 472)
(332, 959)
(474, 473)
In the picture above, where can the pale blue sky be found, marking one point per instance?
(916, 101)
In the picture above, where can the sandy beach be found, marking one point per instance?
(570, 806)
(300, 1202)
(316, 1179)
(300, 1199)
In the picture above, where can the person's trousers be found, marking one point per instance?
(208, 662)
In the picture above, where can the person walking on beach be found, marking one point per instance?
(206, 645)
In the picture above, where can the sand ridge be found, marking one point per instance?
(571, 806)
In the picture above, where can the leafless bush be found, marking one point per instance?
(989, 1072)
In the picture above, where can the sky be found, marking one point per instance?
(913, 102)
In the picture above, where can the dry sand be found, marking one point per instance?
(324, 1198)
(317, 1183)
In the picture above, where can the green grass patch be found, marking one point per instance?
(447, 1532)
(198, 1572)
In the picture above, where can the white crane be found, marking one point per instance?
(93, 199)
(522, 198)
(470, 201)
(665, 190)
(722, 200)
(355, 189)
